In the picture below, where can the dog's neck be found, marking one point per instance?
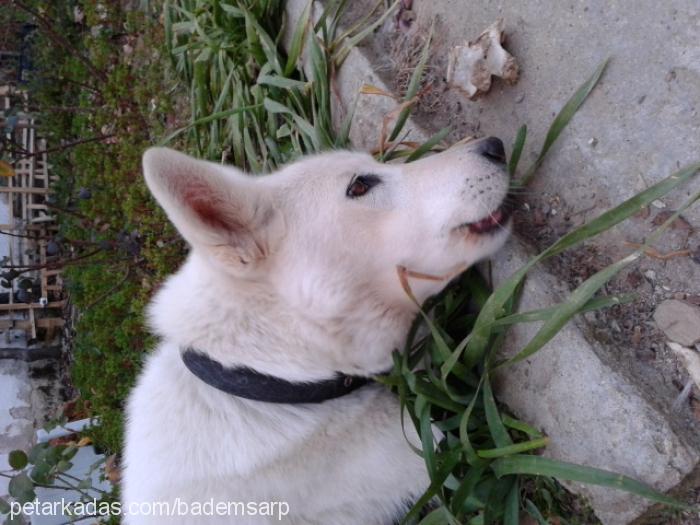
(241, 323)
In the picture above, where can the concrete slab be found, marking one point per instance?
(594, 414)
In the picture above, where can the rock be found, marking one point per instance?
(471, 66)
(680, 321)
(691, 360)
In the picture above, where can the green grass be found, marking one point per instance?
(250, 103)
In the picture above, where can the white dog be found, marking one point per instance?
(254, 407)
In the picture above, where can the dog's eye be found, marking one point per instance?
(361, 185)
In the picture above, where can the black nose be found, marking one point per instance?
(492, 149)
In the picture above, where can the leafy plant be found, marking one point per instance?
(48, 465)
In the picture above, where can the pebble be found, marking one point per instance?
(679, 321)
(651, 275)
(690, 358)
(658, 204)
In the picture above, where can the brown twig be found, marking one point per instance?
(653, 252)
(64, 147)
(53, 264)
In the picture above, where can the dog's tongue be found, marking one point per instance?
(489, 223)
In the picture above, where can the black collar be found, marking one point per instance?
(249, 384)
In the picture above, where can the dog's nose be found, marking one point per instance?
(492, 149)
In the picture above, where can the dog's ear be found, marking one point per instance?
(216, 208)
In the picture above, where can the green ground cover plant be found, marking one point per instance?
(248, 101)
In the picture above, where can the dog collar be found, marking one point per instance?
(249, 384)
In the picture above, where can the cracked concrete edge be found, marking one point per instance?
(593, 415)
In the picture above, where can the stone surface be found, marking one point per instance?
(680, 321)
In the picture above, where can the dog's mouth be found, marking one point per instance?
(494, 221)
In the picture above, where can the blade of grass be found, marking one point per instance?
(564, 117)
(413, 85)
(493, 418)
(282, 82)
(541, 466)
(519, 425)
(511, 515)
(343, 136)
(429, 144)
(516, 448)
(208, 118)
(296, 47)
(342, 53)
(545, 313)
(450, 460)
(517, 150)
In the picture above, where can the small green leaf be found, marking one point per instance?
(493, 418)
(40, 473)
(511, 516)
(63, 465)
(429, 144)
(85, 484)
(21, 488)
(297, 44)
(37, 452)
(18, 459)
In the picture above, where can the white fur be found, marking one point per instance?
(290, 277)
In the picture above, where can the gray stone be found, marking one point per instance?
(680, 321)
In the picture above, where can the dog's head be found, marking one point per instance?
(329, 231)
